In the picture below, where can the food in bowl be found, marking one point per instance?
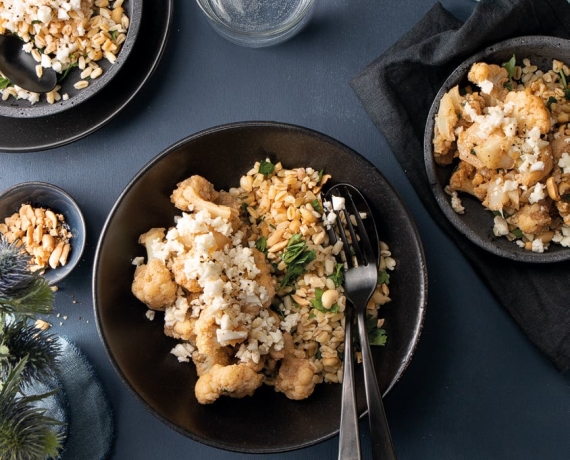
(43, 234)
(510, 138)
(250, 285)
(63, 34)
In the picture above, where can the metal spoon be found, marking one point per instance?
(20, 67)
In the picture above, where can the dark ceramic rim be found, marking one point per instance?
(479, 236)
(55, 276)
(422, 301)
(23, 109)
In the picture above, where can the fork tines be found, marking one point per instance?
(357, 250)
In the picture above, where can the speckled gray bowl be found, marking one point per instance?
(44, 195)
(22, 108)
(477, 222)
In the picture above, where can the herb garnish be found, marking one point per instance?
(4, 83)
(338, 275)
(517, 232)
(318, 304)
(510, 66)
(376, 335)
(296, 257)
(566, 89)
(316, 205)
(383, 277)
(551, 100)
(66, 71)
(261, 244)
(266, 168)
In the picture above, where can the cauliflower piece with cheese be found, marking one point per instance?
(153, 283)
(235, 381)
(491, 78)
(533, 219)
(444, 131)
(529, 110)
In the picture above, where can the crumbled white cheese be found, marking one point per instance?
(456, 203)
(537, 193)
(338, 203)
(564, 162)
(537, 245)
(150, 314)
(183, 351)
(486, 86)
(138, 261)
(500, 227)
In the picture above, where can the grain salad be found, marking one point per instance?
(509, 136)
(250, 286)
(64, 34)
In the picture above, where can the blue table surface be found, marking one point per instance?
(476, 387)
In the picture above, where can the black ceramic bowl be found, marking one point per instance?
(138, 348)
(477, 222)
(44, 195)
(22, 108)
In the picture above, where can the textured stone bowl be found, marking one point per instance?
(477, 222)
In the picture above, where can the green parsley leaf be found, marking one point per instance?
(318, 304)
(261, 244)
(113, 34)
(66, 71)
(4, 83)
(266, 167)
(551, 100)
(376, 335)
(517, 232)
(565, 197)
(338, 275)
(321, 172)
(510, 66)
(316, 205)
(296, 257)
(383, 277)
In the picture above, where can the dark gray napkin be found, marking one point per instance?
(397, 90)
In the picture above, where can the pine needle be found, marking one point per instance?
(24, 340)
(26, 433)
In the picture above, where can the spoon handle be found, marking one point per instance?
(380, 437)
(349, 439)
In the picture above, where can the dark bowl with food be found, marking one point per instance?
(41, 195)
(476, 223)
(138, 348)
(71, 96)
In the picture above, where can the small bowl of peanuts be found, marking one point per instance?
(49, 225)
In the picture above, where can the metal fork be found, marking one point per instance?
(360, 279)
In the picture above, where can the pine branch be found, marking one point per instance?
(40, 348)
(26, 433)
(22, 292)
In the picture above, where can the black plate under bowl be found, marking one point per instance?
(21, 108)
(138, 348)
(477, 222)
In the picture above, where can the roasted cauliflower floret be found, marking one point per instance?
(196, 193)
(490, 78)
(236, 381)
(444, 135)
(533, 218)
(529, 110)
(295, 378)
(466, 179)
(153, 283)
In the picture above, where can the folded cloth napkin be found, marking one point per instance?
(80, 404)
(397, 90)
(91, 429)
